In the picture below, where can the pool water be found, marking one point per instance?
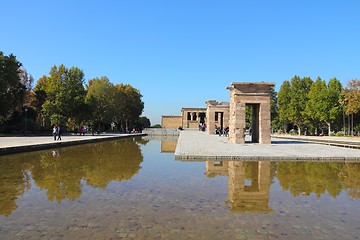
(135, 189)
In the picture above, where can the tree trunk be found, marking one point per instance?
(329, 128)
(352, 124)
(344, 122)
(299, 128)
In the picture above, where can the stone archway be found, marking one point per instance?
(256, 95)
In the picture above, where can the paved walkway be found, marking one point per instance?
(352, 142)
(195, 145)
(31, 143)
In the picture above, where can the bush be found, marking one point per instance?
(156, 126)
(292, 132)
(340, 133)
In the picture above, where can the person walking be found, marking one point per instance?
(59, 132)
(54, 131)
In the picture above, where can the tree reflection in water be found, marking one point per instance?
(14, 181)
(249, 182)
(318, 177)
(62, 172)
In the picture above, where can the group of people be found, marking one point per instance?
(57, 132)
(202, 127)
(219, 131)
(83, 130)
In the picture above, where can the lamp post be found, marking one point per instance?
(26, 109)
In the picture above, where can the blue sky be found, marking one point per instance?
(183, 53)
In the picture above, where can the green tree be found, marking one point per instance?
(334, 89)
(11, 88)
(273, 103)
(275, 123)
(284, 98)
(299, 91)
(316, 107)
(351, 100)
(40, 96)
(324, 102)
(144, 122)
(65, 93)
(27, 81)
(100, 99)
(130, 106)
(73, 92)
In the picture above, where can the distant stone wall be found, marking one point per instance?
(171, 121)
(161, 131)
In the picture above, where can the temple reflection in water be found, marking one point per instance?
(248, 184)
(168, 145)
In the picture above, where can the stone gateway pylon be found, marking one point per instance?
(257, 96)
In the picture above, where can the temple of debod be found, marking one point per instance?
(249, 141)
(231, 114)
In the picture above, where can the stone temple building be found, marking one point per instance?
(190, 119)
(257, 96)
(232, 115)
(217, 115)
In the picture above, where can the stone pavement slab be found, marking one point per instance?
(351, 142)
(196, 145)
(31, 143)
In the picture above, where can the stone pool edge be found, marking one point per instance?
(57, 144)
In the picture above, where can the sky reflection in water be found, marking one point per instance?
(135, 189)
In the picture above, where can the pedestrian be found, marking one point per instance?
(59, 132)
(54, 131)
(226, 131)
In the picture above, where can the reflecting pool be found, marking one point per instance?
(134, 189)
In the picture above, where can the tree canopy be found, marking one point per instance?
(352, 96)
(11, 88)
(323, 101)
(292, 101)
(65, 93)
(63, 97)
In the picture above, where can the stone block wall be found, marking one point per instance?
(258, 96)
(221, 109)
(171, 121)
(191, 117)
